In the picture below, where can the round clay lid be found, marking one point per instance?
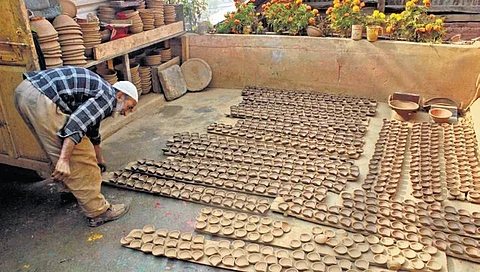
(197, 74)
(68, 8)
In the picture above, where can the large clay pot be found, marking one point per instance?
(373, 32)
(357, 32)
(314, 31)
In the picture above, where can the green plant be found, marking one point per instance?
(377, 18)
(415, 24)
(235, 21)
(192, 11)
(288, 15)
(345, 13)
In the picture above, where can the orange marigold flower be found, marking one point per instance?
(288, 6)
(315, 11)
(290, 19)
(232, 15)
(337, 5)
(362, 4)
(298, 2)
(311, 20)
(356, 9)
(244, 5)
(428, 4)
(329, 10)
(309, 8)
(436, 27)
(346, 14)
(236, 22)
(252, 1)
(432, 16)
(389, 29)
(420, 29)
(429, 27)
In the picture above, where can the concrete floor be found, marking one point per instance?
(38, 233)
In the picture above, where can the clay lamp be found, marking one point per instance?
(440, 115)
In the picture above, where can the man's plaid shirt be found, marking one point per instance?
(80, 93)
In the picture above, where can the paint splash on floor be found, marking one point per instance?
(95, 237)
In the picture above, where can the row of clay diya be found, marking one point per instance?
(293, 96)
(342, 153)
(283, 186)
(387, 160)
(321, 132)
(255, 152)
(425, 170)
(240, 226)
(195, 193)
(343, 118)
(290, 168)
(421, 214)
(235, 255)
(250, 130)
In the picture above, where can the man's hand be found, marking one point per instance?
(100, 161)
(62, 169)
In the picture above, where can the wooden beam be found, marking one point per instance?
(126, 68)
(185, 48)
(381, 5)
(462, 17)
(137, 41)
(441, 8)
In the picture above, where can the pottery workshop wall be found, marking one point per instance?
(340, 65)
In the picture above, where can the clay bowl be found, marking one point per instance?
(440, 115)
(62, 21)
(313, 31)
(403, 108)
(42, 27)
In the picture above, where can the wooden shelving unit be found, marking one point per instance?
(121, 47)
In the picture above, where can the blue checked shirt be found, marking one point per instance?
(80, 93)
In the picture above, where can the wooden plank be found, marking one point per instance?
(126, 68)
(381, 5)
(440, 8)
(185, 48)
(137, 41)
(157, 88)
(462, 18)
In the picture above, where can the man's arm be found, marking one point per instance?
(62, 168)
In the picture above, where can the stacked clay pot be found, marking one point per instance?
(71, 40)
(169, 14)
(48, 39)
(91, 33)
(157, 9)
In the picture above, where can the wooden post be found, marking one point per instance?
(381, 5)
(126, 68)
(185, 48)
(110, 64)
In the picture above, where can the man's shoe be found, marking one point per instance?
(113, 213)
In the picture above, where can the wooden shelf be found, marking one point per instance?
(121, 47)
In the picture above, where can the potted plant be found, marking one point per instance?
(375, 23)
(345, 16)
(240, 21)
(288, 15)
(320, 28)
(415, 24)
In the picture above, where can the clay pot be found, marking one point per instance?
(403, 108)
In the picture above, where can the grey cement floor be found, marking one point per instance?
(39, 233)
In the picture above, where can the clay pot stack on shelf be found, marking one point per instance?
(136, 77)
(152, 58)
(146, 78)
(71, 40)
(48, 39)
(166, 54)
(157, 9)
(169, 14)
(109, 75)
(132, 15)
(148, 19)
(91, 33)
(106, 14)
